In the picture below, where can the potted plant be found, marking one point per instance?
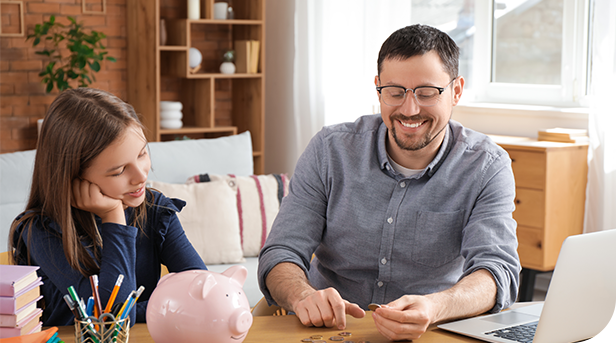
(85, 53)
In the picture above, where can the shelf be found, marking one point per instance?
(214, 104)
(223, 76)
(190, 130)
(173, 48)
(227, 22)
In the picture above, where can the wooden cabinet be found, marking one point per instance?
(550, 196)
(214, 104)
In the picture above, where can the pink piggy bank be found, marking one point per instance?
(200, 306)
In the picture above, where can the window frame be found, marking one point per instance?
(572, 90)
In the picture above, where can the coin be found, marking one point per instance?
(319, 341)
(316, 337)
(307, 340)
(336, 338)
(345, 333)
(373, 307)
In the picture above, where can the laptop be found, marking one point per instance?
(580, 302)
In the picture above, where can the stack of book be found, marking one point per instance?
(559, 134)
(246, 56)
(19, 293)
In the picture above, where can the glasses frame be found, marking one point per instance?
(439, 89)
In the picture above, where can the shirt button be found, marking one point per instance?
(402, 184)
(384, 261)
(390, 220)
(380, 283)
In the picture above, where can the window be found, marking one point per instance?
(511, 51)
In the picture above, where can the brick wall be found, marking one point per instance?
(22, 96)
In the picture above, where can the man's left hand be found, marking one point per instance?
(405, 318)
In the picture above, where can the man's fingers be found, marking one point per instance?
(354, 310)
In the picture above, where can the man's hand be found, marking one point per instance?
(326, 308)
(405, 318)
(87, 196)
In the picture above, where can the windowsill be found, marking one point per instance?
(578, 113)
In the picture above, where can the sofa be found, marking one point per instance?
(228, 163)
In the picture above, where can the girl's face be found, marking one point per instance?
(121, 170)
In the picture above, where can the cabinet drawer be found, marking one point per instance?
(529, 207)
(528, 168)
(531, 247)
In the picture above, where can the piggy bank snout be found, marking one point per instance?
(240, 321)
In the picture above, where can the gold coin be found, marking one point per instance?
(373, 307)
(316, 337)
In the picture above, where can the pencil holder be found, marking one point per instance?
(103, 330)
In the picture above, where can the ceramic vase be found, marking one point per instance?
(227, 68)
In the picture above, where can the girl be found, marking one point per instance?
(89, 211)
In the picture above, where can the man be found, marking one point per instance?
(407, 209)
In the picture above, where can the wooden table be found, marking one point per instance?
(288, 329)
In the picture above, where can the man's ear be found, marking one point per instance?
(457, 88)
(376, 80)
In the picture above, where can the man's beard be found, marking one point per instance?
(413, 145)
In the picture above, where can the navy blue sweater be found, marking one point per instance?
(126, 250)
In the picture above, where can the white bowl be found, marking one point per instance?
(170, 105)
(170, 115)
(171, 124)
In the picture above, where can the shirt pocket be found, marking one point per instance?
(438, 237)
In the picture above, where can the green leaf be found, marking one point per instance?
(112, 59)
(43, 73)
(72, 20)
(49, 87)
(52, 19)
(95, 66)
(36, 41)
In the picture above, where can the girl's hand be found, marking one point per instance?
(87, 196)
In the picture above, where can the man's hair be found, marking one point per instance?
(419, 39)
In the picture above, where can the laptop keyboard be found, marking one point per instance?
(520, 333)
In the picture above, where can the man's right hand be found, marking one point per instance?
(326, 308)
(290, 288)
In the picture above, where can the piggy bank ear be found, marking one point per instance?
(164, 278)
(201, 285)
(237, 274)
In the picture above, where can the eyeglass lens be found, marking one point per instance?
(394, 96)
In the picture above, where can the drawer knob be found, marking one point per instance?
(512, 160)
(517, 201)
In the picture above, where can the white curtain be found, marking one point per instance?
(601, 191)
(334, 46)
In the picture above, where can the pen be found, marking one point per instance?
(132, 302)
(114, 293)
(90, 306)
(98, 308)
(130, 296)
(71, 306)
(82, 312)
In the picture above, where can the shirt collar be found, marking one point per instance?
(432, 166)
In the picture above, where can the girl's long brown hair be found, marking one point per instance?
(79, 125)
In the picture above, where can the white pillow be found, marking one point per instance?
(258, 202)
(174, 161)
(209, 219)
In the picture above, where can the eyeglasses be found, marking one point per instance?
(425, 96)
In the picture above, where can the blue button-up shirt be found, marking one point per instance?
(377, 235)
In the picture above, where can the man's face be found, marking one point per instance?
(413, 127)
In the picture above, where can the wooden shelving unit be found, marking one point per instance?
(214, 104)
